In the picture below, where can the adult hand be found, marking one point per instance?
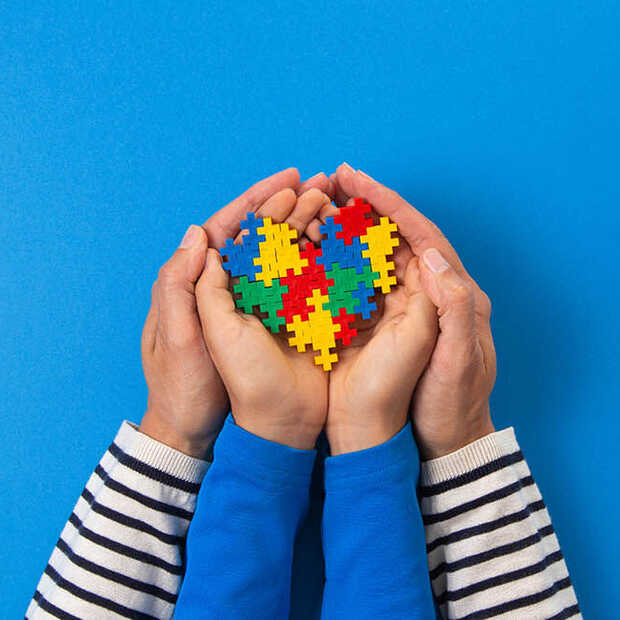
(187, 401)
(275, 392)
(450, 406)
(370, 387)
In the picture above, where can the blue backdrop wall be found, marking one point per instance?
(122, 123)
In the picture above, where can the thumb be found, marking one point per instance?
(176, 281)
(216, 306)
(452, 295)
(420, 322)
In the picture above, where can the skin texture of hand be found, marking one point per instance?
(275, 392)
(187, 400)
(450, 406)
(370, 387)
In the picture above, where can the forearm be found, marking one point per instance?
(122, 549)
(373, 538)
(240, 544)
(490, 542)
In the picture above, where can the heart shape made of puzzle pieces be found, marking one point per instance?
(317, 292)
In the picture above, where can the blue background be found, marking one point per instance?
(120, 125)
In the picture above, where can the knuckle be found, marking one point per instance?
(462, 293)
(486, 306)
(166, 276)
(434, 228)
(426, 235)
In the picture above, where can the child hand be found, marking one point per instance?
(275, 392)
(370, 387)
(187, 401)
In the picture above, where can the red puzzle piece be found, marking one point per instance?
(301, 287)
(344, 320)
(354, 221)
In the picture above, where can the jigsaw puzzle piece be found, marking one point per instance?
(354, 220)
(381, 245)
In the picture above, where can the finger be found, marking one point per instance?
(278, 207)
(454, 298)
(340, 196)
(216, 306)
(328, 210)
(419, 232)
(307, 207)
(150, 324)
(313, 230)
(225, 223)
(332, 187)
(178, 322)
(318, 181)
(402, 256)
(420, 323)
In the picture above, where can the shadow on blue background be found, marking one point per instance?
(121, 125)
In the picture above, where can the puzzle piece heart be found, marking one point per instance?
(317, 292)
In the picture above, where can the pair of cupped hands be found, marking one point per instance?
(427, 352)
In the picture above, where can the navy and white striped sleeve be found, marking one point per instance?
(121, 554)
(492, 550)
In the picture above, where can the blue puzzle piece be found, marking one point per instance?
(363, 293)
(330, 228)
(333, 250)
(241, 256)
(353, 256)
(252, 223)
(240, 260)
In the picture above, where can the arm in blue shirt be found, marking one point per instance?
(373, 537)
(240, 542)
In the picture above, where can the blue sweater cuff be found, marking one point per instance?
(386, 462)
(265, 462)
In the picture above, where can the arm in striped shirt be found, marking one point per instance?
(492, 550)
(122, 551)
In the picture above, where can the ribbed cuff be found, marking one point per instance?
(470, 457)
(382, 463)
(158, 455)
(262, 460)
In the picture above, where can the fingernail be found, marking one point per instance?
(347, 167)
(366, 176)
(190, 237)
(435, 261)
(314, 176)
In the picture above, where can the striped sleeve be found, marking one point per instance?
(121, 554)
(492, 550)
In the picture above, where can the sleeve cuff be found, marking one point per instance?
(384, 462)
(158, 455)
(476, 454)
(263, 460)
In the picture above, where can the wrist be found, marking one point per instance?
(458, 437)
(354, 436)
(295, 433)
(197, 445)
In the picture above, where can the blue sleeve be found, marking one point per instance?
(373, 537)
(240, 542)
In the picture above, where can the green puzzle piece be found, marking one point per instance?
(267, 298)
(345, 282)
